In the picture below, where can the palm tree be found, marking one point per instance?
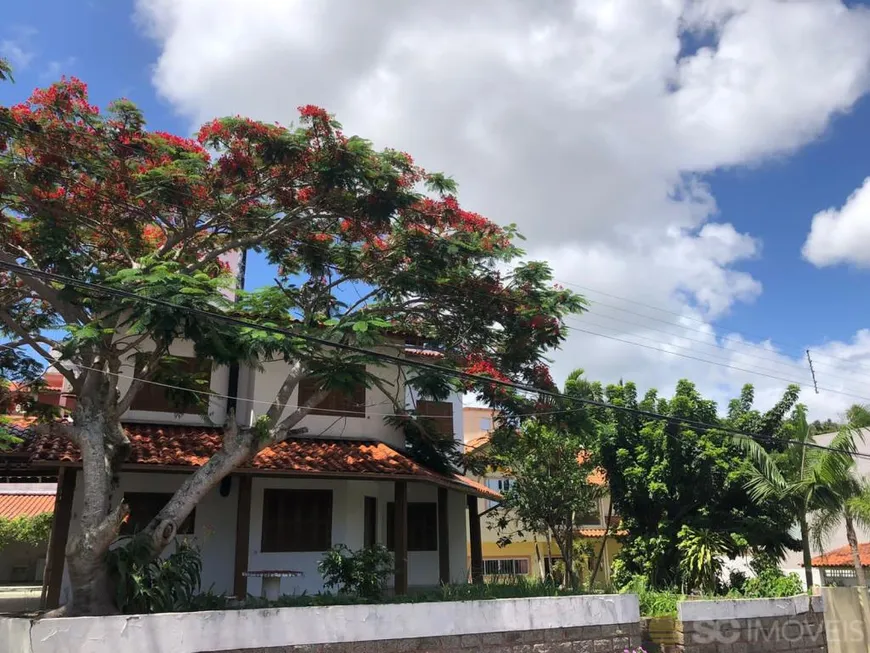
(853, 493)
(803, 478)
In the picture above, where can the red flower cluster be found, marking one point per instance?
(313, 112)
(184, 144)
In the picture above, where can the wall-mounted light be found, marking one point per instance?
(226, 485)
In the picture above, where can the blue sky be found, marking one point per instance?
(769, 168)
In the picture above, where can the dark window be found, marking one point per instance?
(154, 397)
(590, 516)
(296, 520)
(370, 532)
(422, 526)
(144, 507)
(440, 413)
(340, 404)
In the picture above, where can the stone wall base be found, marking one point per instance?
(586, 639)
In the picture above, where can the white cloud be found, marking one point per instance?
(841, 235)
(16, 46)
(589, 124)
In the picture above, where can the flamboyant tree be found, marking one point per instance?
(98, 198)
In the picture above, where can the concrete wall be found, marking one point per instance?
(740, 626)
(603, 624)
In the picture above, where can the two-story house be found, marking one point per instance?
(530, 554)
(349, 480)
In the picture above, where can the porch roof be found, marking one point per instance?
(175, 446)
(842, 557)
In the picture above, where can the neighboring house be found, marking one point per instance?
(342, 483)
(529, 555)
(794, 559)
(836, 568)
(21, 562)
(55, 392)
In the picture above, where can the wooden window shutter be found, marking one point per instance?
(441, 413)
(153, 397)
(337, 403)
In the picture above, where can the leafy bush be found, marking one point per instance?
(360, 573)
(769, 582)
(29, 530)
(653, 603)
(144, 584)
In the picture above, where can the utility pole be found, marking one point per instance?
(812, 371)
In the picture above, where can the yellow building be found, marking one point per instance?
(530, 555)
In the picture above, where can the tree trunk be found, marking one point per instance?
(852, 538)
(808, 556)
(99, 526)
(541, 573)
(550, 554)
(600, 558)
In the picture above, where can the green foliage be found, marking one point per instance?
(144, 584)
(508, 588)
(702, 557)
(666, 475)
(5, 71)
(362, 573)
(33, 530)
(858, 415)
(802, 478)
(770, 583)
(550, 483)
(653, 603)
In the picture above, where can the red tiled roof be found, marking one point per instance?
(16, 505)
(192, 446)
(598, 532)
(842, 557)
(423, 353)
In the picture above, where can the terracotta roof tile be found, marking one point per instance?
(16, 505)
(842, 557)
(178, 445)
(598, 532)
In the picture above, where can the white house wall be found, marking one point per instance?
(214, 524)
(267, 381)
(215, 529)
(348, 499)
(217, 405)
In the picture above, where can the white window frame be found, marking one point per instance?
(503, 562)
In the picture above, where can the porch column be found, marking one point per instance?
(56, 556)
(401, 537)
(243, 531)
(475, 541)
(443, 538)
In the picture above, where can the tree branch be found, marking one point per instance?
(69, 312)
(33, 342)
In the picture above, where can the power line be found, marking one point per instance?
(115, 202)
(25, 271)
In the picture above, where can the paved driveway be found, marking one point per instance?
(19, 598)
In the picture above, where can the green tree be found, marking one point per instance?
(665, 475)
(803, 477)
(858, 416)
(97, 197)
(550, 489)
